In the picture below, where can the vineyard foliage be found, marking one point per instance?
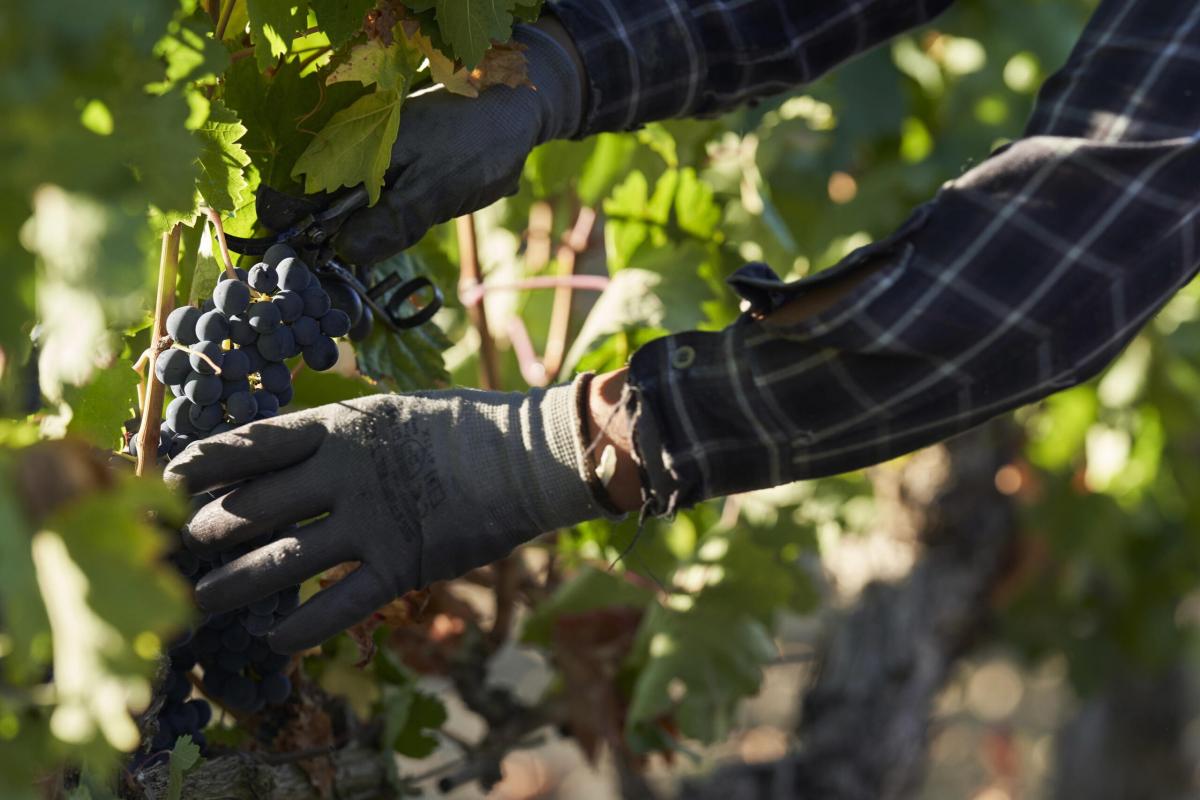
(123, 117)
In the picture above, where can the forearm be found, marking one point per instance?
(654, 59)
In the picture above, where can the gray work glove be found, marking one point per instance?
(457, 154)
(418, 487)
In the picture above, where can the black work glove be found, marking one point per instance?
(417, 487)
(458, 154)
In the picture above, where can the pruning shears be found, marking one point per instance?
(394, 300)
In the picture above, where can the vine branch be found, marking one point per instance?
(155, 392)
(215, 219)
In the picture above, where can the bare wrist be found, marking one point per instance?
(609, 426)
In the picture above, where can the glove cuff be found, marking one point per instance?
(560, 491)
(556, 81)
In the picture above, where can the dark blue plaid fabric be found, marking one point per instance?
(1023, 277)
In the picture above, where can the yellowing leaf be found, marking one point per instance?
(354, 147)
(376, 63)
(503, 65)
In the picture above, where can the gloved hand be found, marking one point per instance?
(457, 154)
(417, 487)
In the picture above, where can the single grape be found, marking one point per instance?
(293, 275)
(181, 324)
(205, 418)
(203, 713)
(240, 693)
(275, 377)
(305, 331)
(172, 367)
(276, 688)
(235, 638)
(240, 331)
(177, 416)
(179, 444)
(284, 397)
(362, 329)
(264, 316)
(241, 407)
(263, 278)
(321, 354)
(257, 362)
(336, 323)
(231, 297)
(266, 402)
(259, 624)
(230, 388)
(277, 345)
(214, 352)
(342, 296)
(291, 305)
(277, 253)
(241, 275)
(236, 365)
(316, 300)
(213, 327)
(203, 390)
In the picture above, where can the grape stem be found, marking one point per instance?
(223, 22)
(164, 304)
(215, 219)
(177, 346)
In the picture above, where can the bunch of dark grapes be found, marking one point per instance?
(234, 371)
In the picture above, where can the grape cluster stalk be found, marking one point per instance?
(228, 368)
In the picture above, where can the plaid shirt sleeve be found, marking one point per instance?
(654, 59)
(1023, 277)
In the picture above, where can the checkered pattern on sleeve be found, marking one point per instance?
(1023, 277)
(655, 59)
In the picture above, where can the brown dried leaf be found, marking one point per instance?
(311, 728)
(589, 648)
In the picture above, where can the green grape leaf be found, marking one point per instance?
(185, 756)
(354, 147)
(341, 19)
(283, 113)
(100, 406)
(696, 212)
(409, 714)
(470, 26)
(25, 618)
(101, 568)
(222, 182)
(715, 653)
(274, 23)
(528, 10)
